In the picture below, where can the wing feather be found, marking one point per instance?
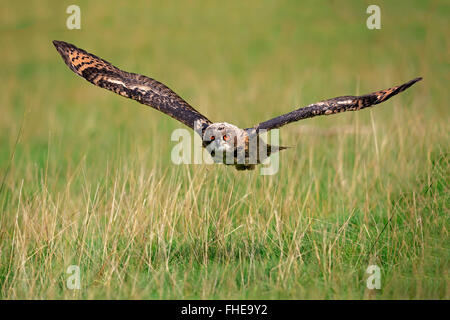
(335, 105)
(143, 89)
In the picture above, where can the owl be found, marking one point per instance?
(226, 143)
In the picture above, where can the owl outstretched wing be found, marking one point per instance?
(131, 85)
(335, 105)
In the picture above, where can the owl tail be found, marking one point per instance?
(273, 149)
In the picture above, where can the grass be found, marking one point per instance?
(90, 182)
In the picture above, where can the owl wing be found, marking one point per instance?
(131, 85)
(335, 105)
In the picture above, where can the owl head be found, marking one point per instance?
(221, 139)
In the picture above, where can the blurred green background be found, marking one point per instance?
(241, 62)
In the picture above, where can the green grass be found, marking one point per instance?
(90, 181)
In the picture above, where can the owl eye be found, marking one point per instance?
(212, 138)
(225, 137)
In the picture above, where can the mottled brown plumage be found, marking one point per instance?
(217, 137)
(143, 89)
(335, 105)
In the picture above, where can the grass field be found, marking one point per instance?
(87, 178)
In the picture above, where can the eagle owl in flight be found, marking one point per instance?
(221, 139)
